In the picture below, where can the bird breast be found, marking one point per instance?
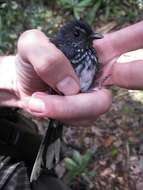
(86, 68)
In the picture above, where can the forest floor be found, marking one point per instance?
(117, 140)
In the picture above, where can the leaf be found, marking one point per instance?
(92, 13)
(3, 5)
(85, 159)
(108, 141)
(84, 3)
(114, 151)
(14, 5)
(13, 36)
(76, 13)
(78, 165)
(77, 157)
(126, 109)
(66, 4)
(70, 164)
(92, 173)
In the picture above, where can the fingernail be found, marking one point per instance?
(68, 86)
(36, 105)
(38, 95)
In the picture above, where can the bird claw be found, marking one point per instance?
(100, 84)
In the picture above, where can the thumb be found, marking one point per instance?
(48, 61)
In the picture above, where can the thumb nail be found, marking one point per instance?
(68, 86)
(36, 105)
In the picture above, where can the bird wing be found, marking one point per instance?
(49, 151)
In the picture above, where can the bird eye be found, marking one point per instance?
(76, 33)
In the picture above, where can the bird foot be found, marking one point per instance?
(100, 83)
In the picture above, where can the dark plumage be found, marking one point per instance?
(75, 41)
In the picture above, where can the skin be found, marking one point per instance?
(25, 77)
(125, 75)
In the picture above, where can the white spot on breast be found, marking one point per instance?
(86, 78)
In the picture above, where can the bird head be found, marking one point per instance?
(75, 36)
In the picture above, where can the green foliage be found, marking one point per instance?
(121, 11)
(77, 166)
(42, 18)
(17, 16)
(91, 10)
(85, 9)
(114, 151)
(76, 7)
(90, 16)
(14, 19)
(10, 13)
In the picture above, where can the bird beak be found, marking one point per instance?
(96, 35)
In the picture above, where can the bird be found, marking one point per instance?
(75, 40)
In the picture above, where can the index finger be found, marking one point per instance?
(116, 43)
(48, 61)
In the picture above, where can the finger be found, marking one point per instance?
(48, 61)
(116, 43)
(79, 107)
(105, 77)
(128, 75)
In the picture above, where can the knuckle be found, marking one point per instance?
(57, 109)
(103, 103)
(30, 34)
(28, 37)
(52, 111)
(55, 58)
(52, 62)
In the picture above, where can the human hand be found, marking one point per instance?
(37, 63)
(127, 75)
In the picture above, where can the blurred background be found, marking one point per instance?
(110, 152)
(19, 15)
